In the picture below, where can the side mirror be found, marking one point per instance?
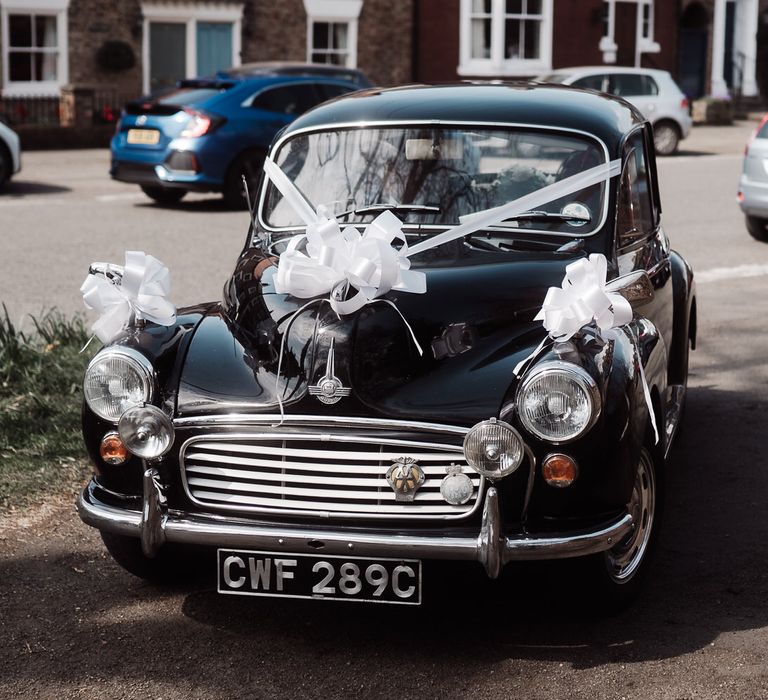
(636, 288)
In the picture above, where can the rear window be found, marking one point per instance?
(188, 96)
(590, 82)
(632, 84)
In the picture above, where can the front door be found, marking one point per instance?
(214, 47)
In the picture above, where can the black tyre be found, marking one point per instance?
(166, 567)
(666, 137)
(164, 195)
(248, 164)
(758, 228)
(616, 576)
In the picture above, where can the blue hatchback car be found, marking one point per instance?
(206, 133)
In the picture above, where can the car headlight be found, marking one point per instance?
(117, 379)
(558, 401)
(493, 448)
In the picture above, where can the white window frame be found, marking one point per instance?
(497, 65)
(335, 12)
(35, 88)
(189, 15)
(644, 43)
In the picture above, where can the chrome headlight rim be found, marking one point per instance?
(581, 377)
(138, 362)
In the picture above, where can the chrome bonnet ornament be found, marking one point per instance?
(329, 389)
(405, 477)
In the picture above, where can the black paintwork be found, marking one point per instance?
(223, 357)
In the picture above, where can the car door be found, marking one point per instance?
(639, 89)
(641, 243)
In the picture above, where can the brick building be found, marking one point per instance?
(134, 46)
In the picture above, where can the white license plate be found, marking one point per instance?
(242, 572)
(147, 137)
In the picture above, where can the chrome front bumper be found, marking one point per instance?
(155, 525)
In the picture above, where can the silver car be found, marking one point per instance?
(653, 92)
(753, 185)
(10, 153)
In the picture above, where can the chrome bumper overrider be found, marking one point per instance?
(155, 525)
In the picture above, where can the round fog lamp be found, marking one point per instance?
(559, 470)
(493, 448)
(146, 431)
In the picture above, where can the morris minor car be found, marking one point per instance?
(456, 331)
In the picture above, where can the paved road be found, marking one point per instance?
(73, 625)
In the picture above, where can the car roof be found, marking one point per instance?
(295, 68)
(573, 70)
(538, 105)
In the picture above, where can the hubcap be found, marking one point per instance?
(625, 558)
(664, 140)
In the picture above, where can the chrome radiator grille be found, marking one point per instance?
(319, 474)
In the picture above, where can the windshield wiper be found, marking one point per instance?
(372, 208)
(482, 240)
(547, 216)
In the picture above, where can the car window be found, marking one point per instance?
(632, 84)
(634, 219)
(288, 99)
(328, 91)
(590, 82)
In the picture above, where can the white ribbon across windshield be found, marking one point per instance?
(334, 259)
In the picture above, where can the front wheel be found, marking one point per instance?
(757, 228)
(617, 574)
(164, 195)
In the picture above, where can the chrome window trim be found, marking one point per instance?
(434, 122)
(583, 378)
(320, 514)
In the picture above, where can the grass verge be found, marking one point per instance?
(41, 372)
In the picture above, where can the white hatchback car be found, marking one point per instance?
(10, 153)
(753, 185)
(653, 92)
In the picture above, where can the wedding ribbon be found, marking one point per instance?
(329, 260)
(332, 260)
(582, 299)
(137, 291)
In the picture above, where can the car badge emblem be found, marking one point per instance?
(405, 477)
(329, 389)
(141, 120)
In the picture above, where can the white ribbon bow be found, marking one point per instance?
(138, 291)
(581, 300)
(327, 259)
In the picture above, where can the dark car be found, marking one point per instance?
(417, 356)
(206, 133)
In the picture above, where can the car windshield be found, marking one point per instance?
(434, 175)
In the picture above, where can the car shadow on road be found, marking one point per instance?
(209, 204)
(707, 578)
(25, 188)
(686, 152)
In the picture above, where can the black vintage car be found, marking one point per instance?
(387, 378)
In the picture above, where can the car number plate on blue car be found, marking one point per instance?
(148, 137)
(242, 572)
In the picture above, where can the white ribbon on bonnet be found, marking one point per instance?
(138, 291)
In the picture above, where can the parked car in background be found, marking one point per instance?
(753, 184)
(653, 92)
(326, 447)
(324, 70)
(10, 153)
(206, 133)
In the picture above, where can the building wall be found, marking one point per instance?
(437, 41)
(274, 31)
(576, 33)
(385, 41)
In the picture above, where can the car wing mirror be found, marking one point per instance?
(636, 288)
